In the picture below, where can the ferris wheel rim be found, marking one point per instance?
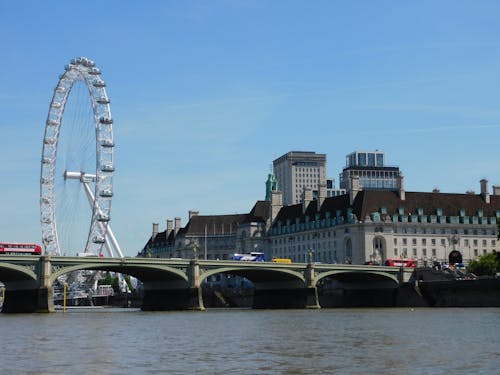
(83, 70)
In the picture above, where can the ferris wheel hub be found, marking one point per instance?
(82, 176)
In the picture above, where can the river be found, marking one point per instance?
(241, 341)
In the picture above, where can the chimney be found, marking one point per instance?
(354, 190)
(177, 225)
(276, 204)
(484, 190)
(496, 190)
(193, 213)
(307, 197)
(155, 231)
(170, 227)
(401, 186)
(321, 194)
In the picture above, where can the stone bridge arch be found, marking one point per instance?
(21, 287)
(274, 287)
(145, 273)
(258, 275)
(344, 288)
(14, 272)
(347, 276)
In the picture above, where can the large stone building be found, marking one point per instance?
(297, 170)
(374, 220)
(213, 236)
(374, 225)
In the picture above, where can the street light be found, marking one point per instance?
(195, 250)
(311, 255)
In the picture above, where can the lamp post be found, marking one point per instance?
(195, 250)
(311, 256)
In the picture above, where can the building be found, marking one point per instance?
(211, 236)
(374, 225)
(370, 167)
(297, 170)
(331, 190)
(373, 219)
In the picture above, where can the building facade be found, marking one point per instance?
(371, 220)
(210, 236)
(375, 225)
(370, 167)
(297, 170)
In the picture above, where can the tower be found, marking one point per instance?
(297, 170)
(271, 185)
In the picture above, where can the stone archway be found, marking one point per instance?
(455, 257)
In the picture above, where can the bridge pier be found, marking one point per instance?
(29, 296)
(286, 298)
(175, 294)
(28, 300)
(172, 299)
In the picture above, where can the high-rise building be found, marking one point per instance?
(297, 170)
(370, 167)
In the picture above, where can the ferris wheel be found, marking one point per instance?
(77, 167)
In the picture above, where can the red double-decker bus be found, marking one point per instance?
(395, 262)
(20, 248)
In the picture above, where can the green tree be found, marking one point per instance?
(486, 265)
(110, 280)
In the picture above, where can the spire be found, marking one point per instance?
(271, 185)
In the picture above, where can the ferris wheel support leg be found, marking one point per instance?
(113, 241)
(110, 237)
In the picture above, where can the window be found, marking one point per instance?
(443, 241)
(433, 252)
(424, 242)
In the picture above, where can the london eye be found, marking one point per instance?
(77, 166)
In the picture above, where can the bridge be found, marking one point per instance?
(175, 284)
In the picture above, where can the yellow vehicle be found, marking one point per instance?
(282, 260)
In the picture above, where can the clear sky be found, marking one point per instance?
(206, 94)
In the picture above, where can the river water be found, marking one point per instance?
(241, 341)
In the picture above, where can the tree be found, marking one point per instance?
(486, 265)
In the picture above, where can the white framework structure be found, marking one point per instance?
(98, 183)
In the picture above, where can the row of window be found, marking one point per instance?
(433, 242)
(466, 232)
(424, 253)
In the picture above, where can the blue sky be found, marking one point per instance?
(206, 94)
